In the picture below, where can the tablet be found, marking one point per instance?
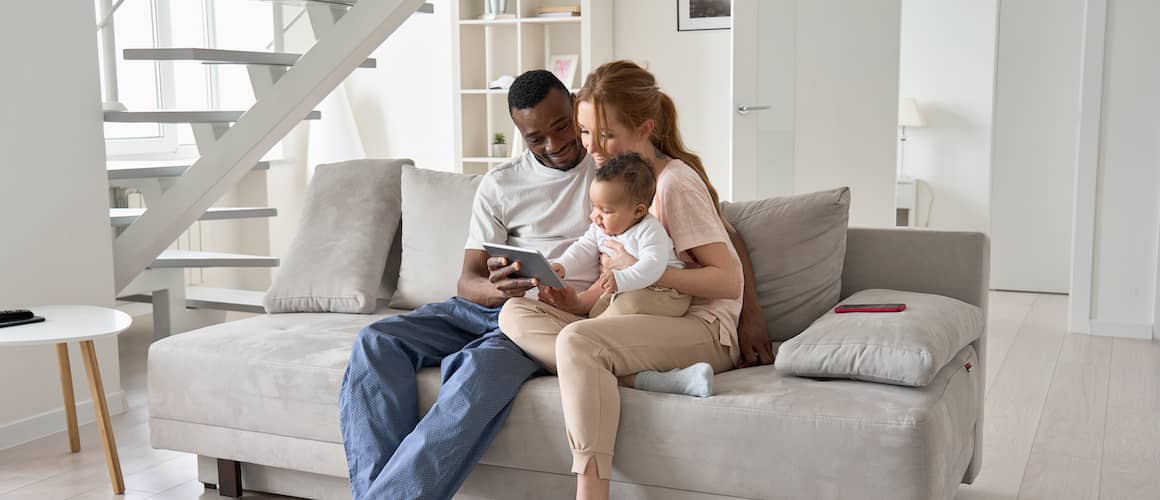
(532, 263)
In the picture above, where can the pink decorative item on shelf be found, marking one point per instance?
(564, 67)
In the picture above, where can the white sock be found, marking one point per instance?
(696, 380)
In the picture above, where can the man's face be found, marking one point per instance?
(549, 132)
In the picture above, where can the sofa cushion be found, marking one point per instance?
(763, 432)
(906, 348)
(335, 262)
(797, 245)
(436, 212)
(253, 373)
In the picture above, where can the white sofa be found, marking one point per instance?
(256, 400)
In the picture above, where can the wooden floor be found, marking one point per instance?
(1068, 417)
(45, 470)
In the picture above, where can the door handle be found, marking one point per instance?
(744, 109)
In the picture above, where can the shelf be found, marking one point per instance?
(551, 20)
(485, 159)
(495, 91)
(523, 20)
(491, 48)
(489, 21)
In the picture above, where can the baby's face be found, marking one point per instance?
(612, 209)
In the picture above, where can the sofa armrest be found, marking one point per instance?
(954, 264)
(951, 263)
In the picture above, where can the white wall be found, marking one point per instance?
(403, 107)
(847, 103)
(1036, 126)
(691, 66)
(400, 109)
(947, 63)
(1128, 194)
(54, 196)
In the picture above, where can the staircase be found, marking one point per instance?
(230, 144)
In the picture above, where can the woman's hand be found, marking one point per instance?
(621, 260)
(558, 269)
(607, 282)
(565, 299)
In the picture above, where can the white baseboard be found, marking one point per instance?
(1122, 329)
(52, 422)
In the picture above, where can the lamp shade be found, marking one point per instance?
(908, 115)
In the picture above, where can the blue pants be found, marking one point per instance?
(391, 452)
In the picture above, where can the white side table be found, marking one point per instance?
(906, 199)
(77, 323)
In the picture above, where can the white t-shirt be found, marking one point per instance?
(647, 240)
(529, 205)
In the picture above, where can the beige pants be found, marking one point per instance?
(652, 300)
(589, 354)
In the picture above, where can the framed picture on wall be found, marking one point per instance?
(564, 67)
(697, 15)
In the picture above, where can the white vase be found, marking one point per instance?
(492, 7)
(499, 151)
(502, 7)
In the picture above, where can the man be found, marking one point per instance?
(539, 200)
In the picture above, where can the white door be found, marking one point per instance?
(1036, 124)
(815, 101)
(764, 47)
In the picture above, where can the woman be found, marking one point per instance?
(620, 109)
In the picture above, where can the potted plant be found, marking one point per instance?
(499, 146)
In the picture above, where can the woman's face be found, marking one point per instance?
(617, 138)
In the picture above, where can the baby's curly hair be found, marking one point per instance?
(639, 180)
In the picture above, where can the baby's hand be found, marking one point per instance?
(559, 269)
(607, 282)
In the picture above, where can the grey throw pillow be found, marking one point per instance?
(907, 348)
(436, 213)
(335, 262)
(798, 246)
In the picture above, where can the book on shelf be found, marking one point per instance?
(558, 11)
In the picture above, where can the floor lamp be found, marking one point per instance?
(908, 116)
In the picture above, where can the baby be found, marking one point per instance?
(621, 195)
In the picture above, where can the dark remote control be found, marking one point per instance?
(15, 315)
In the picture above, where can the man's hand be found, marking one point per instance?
(620, 259)
(756, 348)
(752, 332)
(500, 276)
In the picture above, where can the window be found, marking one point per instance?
(148, 85)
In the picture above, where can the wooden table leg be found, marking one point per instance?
(70, 402)
(101, 407)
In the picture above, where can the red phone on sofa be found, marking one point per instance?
(870, 308)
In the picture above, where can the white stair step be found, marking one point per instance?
(134, 308)
(220, 56)
(427, 8)
(225, 299)
(136, 169)
(220, 299)
(188, 258)
(182, 116)
(126, 216)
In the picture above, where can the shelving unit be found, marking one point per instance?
(485, 49)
